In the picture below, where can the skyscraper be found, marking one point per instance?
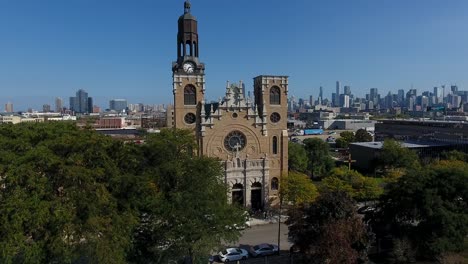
(118, 105)
(454, 89)
(439, 94)
(374, 96)
(81, 103)
(337, 94)
(401, 97)
(8, 107)
(347, 90)
(58, 104)
(46, 108)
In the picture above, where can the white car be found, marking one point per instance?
(232, 254)
(264, 250)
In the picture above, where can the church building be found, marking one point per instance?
(249, 135)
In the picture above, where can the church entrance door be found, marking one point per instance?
(238, 194)
(256, 200)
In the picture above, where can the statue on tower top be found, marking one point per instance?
(187, 6)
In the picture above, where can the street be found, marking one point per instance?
(265, 234)
(268, 233)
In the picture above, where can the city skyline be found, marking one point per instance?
(124, 50)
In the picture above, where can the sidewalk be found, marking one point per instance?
(265, 221)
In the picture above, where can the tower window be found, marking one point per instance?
(274, 184)
(275, 145)
(275, 94)
(190, 96)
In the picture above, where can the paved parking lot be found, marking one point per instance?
(265, 234)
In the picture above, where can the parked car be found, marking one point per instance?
(331, 133)
(232, 254)
(264, 250)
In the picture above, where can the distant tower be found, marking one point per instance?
(58, 104)
(118, 105)
(347, 90)
(8, 107)
(337, 94)
(46, 108)
(81, 103)
(454, 89)
(374, 96)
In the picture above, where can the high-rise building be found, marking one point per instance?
(9, 107)
(58, 105)
(344, 100)
(401, 97)
(118, 105)
(388, 101)
(454, 89)
(311, 100)
(46, 108)
(347, 90)
(90, 107)
(337, 94)
(439, 95)
(374, 96)
(81, 103)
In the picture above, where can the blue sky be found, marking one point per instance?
(124, 48)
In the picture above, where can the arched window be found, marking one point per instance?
(190, 96)
(275, 145)
(275, 94)
(274, 184)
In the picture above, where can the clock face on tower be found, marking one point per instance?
(189, 67)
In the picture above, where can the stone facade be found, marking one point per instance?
(249, 136)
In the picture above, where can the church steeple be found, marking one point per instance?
(187, 7)
(187, 37)
(187, 44)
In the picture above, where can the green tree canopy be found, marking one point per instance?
(362, 136)
(326, 227)
(395, 157)
(189, 214)
(430, 206)
(348, 136)
(352, 182)
(297, 157)
(297, 188)
(72, 195)
(318, 153)
(57, 203)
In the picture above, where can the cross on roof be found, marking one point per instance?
(350, 161)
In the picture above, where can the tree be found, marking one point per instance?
(341, 143)
(329, 231)
(429, 206)
(455, 155)
(362, 136)
(71, 195)
(352, 182)
(56, 201)
(395, 157)
(189, 214)
(348, 136)
(318, 154)
(297, 189)
(297, 157)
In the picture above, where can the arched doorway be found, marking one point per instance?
(256, 201)
(238, 194)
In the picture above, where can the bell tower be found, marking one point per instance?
(188, 73)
